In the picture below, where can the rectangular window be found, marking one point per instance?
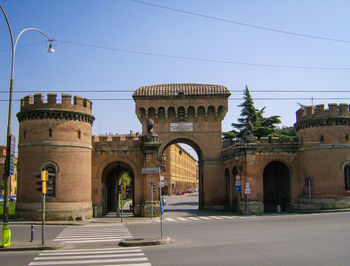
(347, 177)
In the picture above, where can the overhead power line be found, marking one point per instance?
(198, 59)
(203, 59)
(131, 91)
(242, 23)
(230, 98)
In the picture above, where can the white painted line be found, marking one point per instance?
(170, 219)
(73, 262)
(89, 252)
(92, 256)
(215, 217)
(133, 264)
(93, 236)
(182, 219)
(89, 241)
(89, 249)
(88, 238)
(204, 217)
(193, 218)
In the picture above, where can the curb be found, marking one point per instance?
(18, 246)
(134, 242)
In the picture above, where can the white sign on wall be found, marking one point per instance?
(181, 127)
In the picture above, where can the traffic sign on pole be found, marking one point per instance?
(150, 170)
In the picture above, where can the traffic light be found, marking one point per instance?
(154, 188)
(51, 185)
(42, 184)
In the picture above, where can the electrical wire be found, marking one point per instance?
(242, 23)
(231, 99)
(232, 62)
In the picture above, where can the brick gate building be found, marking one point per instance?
(88, 168)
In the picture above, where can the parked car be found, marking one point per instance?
(180, 192)
(13, 198)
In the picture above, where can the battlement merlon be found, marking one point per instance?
(36, 102)
(335, 110)
(116, 140)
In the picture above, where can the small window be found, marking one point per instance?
(50, 132)
(321, 139)
(181, 114)
(79, 134)
(347, 138)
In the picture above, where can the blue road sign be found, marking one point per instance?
(238, 189)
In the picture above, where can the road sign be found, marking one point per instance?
(161, 178)
(247, 185)
(161, 184)
(150, 170)
(247, 191)
(238, 183)
(238, 188)
(238, 177)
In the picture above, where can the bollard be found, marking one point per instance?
(278, 209)
(95, 212)
(32, 233)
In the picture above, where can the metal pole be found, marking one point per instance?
(151, 200)
(310, 198)
(43, 222)
(32, 233)
(121, 207)
(160, 201)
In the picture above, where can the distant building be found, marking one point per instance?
(180, 170)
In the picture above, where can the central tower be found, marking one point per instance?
(191, 114)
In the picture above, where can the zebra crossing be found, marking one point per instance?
(93, 233)
(206, 218)
(98, 256)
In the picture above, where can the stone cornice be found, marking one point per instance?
(55, 114)
(56, 143)
(322, 122)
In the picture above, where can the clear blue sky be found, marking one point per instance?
(125, 24)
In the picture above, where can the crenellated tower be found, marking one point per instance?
(56, 136)
(324, 153)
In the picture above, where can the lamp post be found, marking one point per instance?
(5, 230)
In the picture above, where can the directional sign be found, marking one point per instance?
(150, 170)
(161, 184)
(238, 188)
(247, 191)
(238, 183)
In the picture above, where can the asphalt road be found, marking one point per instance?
(293, 239)
(217, 238)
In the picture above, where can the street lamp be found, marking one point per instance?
(5, 229)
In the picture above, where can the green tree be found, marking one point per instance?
(252, 117)
(285, 132)
(126, 179)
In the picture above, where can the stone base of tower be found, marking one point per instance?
(65, 211)
(323, 203)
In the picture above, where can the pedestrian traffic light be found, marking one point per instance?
(42, 184)
(154, 188)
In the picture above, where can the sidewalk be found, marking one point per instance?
(36, 245)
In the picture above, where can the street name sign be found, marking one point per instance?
(150, 170)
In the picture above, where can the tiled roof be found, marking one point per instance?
(174, 89)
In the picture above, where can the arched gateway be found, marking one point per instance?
(192, 114)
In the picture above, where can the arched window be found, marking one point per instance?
(347, 176)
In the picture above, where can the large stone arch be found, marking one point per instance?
(276, 186)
